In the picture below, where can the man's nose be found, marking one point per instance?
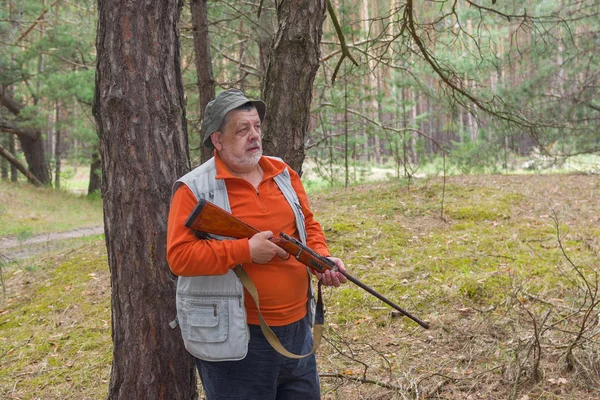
(254, 134)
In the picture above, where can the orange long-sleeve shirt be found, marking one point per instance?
(282, 284)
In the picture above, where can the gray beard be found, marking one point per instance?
(250, 160)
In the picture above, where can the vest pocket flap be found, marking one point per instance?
(205, 316)
(204, 320)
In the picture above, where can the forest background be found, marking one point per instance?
(497, 89)
(408, 88)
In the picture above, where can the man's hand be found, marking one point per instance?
(331, 278)
(262, 250)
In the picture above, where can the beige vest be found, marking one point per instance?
(210, 309)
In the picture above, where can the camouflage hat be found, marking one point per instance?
(217, 109)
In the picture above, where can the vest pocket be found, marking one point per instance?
(204, 319)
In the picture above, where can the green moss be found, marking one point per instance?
(490, 290)
(473, 213)
(482, 204)
(49, 328)
(463, 226)
(344, 227)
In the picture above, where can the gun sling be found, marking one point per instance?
(268, 332)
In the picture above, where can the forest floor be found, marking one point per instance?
(504, 268)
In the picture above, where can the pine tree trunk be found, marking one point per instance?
(204, 70)
(6, 155)
(33, 148)
(242, 54)
(95, 171)
(57, 148)
(31, 140)
(3, 162)
(139, 111)
(293, 63)
(12, 149)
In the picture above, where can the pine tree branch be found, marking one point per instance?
(345, 50)
(35, 22)
(9, 127)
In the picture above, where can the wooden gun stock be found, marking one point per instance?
(209, 218)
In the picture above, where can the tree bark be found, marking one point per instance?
(12, 150)
(140, 115)
(206, 81)
(293, 63)
(4, 164)
(36, 157)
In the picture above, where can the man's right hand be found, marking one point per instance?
(262, 250)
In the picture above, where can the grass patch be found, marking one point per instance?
(479, 276)
(55, 338)
(27, 210)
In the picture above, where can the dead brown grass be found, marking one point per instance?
(503, 303)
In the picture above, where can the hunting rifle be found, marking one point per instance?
(209, 218)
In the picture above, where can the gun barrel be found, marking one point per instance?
(384, 299)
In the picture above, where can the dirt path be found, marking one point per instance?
(15, 249)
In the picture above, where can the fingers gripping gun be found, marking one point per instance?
(209, 218)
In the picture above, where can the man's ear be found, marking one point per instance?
(216, 139)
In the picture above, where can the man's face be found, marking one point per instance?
(239, 144)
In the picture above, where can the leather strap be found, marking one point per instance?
(268, 332)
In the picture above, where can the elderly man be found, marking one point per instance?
(218, 319)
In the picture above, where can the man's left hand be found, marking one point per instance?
(333, 278)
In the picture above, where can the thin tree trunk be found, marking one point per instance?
(293, 63)
(406, 135)
(95, 171)
(346, 166)
(242, 55)
(31, 140)
(140, 115)
(57, 148)
(16, 14)
(48, 137)
(265, 36)
(381, 116)
(12, 149)
(413, 122)
(4, 164)
(204, 70)
(371, 88)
